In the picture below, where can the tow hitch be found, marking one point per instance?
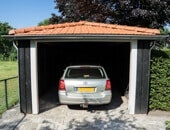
(84, 105)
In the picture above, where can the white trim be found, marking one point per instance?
(34, 78)
(132, 77)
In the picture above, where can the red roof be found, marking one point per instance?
(84, 27)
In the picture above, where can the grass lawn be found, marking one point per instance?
(8, 69)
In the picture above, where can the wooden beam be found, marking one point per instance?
(132, 77)
(34, 78)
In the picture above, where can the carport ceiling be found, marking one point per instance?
(85, 30)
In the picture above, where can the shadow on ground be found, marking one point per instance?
(12, 118)
(106, 123)
(104, 119)
(50, 100)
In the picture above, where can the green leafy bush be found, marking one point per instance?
(160, 80)
(167, 123)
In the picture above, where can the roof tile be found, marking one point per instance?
(84, 27)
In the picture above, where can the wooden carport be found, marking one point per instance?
(141, 40)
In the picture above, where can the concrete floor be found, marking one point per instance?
(62, 117)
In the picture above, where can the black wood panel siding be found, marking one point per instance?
(24, 76)
(143, 77)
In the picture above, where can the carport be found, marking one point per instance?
(44, 51)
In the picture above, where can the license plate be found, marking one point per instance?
(85, 89)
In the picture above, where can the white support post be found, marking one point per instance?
(34, 78)
(132, 77)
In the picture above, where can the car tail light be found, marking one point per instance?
(62, 85)
(108, 85)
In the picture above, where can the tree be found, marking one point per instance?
(144, 13)
(6, 48)
(44, 22)
(165, 31)
(55, 19)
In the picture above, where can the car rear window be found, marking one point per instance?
(85, 73)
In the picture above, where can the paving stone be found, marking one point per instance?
(94, 118)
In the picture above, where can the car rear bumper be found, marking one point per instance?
(93, 99)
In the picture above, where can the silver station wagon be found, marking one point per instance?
(84, 85)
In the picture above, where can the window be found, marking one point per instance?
(85, 73)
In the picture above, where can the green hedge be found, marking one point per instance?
(160, 80)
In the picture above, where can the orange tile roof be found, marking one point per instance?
(84, 27)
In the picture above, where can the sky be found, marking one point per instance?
(25, 13)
